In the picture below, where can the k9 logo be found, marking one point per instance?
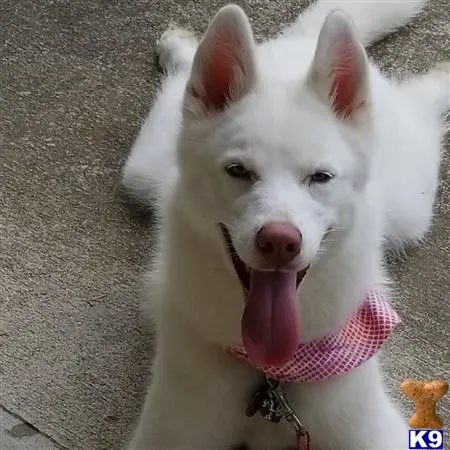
(426, 439)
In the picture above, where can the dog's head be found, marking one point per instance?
(274, 167)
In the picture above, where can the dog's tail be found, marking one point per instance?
(373, 19)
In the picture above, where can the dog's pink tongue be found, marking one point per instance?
(270, 324)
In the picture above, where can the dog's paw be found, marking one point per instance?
(176, 49)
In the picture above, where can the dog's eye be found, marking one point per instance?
(237, 170)
(320, 177)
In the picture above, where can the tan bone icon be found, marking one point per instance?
(425, 395)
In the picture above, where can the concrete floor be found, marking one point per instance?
(76, 80)
(15, 434)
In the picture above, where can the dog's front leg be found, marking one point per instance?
(373, 420)
(383, 428)
(188, 408)
(351, 412)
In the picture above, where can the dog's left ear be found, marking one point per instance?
(339, 71)
(223, 70)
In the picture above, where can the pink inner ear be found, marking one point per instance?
(218, 71)
(345, 80)
(219, 76)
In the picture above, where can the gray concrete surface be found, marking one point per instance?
(76, 80)
(18, 435)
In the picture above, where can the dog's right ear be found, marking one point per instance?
(223, 70)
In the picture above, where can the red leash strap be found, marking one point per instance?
(306, 444)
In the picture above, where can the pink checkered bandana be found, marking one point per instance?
(331, 355)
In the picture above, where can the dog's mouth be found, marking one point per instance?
(270, 323)
(243, 270)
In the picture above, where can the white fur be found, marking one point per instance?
(281, 123)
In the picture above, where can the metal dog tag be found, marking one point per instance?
(271, 403)
(265, 401)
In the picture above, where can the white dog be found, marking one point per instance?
(278, 172)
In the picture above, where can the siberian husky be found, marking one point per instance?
(279, 173)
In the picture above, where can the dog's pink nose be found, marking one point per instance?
(279, 242)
